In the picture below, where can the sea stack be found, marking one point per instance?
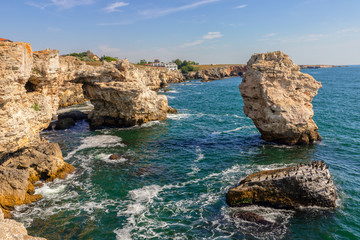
(277, 97)
(287, 188)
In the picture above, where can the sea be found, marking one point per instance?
(172, 176)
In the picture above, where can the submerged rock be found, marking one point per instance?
(289, 188)
(252, 217)
(277, 97)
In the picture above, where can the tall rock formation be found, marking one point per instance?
(28, 100)
(277, 97)
(289, 188)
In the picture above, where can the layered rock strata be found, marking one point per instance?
(289, 188)
(28, 101)
(10, 229)
(277, 97)
(119, 92)
(216, 73)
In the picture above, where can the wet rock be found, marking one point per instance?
(20, 170)
(252, 217)
(115, 157)
(288, 188)
(171, 110)
(75, 115)
(64, 123)
(277, 97)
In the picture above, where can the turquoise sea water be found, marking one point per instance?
(173, 175)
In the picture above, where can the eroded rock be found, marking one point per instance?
(10, 229)
(289, 188)
(277, 97)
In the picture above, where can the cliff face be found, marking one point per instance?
(28, 100)
(303, 185)
(277, 97)
(217, 73)
(71, 91)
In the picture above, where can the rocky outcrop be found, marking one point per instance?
(277, 97)
(10, 229)
(119, 92)
(289, 188)
(216, 73)
(28, 101)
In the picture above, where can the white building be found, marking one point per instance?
(171, 66)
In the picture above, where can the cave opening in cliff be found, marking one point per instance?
(30, 87)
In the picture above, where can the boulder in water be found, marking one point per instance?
(288, 188)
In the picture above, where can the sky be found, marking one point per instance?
(205, 31)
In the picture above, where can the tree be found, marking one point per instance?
(142, 62)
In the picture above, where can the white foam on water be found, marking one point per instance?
(50, 191)
(233, 130)
(172, 91)
(200, 155)
(97, 141)
(179, 116)
(170, 97)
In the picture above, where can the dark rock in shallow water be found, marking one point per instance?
(64, 123)
(288, 188)
(252, 217)
(114, 157)
(75, 115)
(172, 110)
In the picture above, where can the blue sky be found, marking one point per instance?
(207, 31)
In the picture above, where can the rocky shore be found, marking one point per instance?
(277, 97)
(35, 84)
(216, 73)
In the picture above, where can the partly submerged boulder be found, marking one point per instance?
(277, 97)
(289, 188)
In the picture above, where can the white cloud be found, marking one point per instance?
(64, 4)
(191, 44)
(208, 36)
(349, 30)
(114, 7)
(160, 13)
(241, 6)
(212, 35)
(270, 35)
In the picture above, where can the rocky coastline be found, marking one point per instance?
(35, 85)
(320, 66)
(216, 73)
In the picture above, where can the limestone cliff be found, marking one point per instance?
(292, 187)
(28, 100)
(217, 73)
(277, 97)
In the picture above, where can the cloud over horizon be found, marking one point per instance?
(63, 4)
(114, 7)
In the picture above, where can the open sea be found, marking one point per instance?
(171, 179)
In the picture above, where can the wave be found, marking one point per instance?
(234, 130)
(97, 141)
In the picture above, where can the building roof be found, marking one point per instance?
(3, 39)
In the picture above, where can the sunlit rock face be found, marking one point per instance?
(289, 188)
(277, 97)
